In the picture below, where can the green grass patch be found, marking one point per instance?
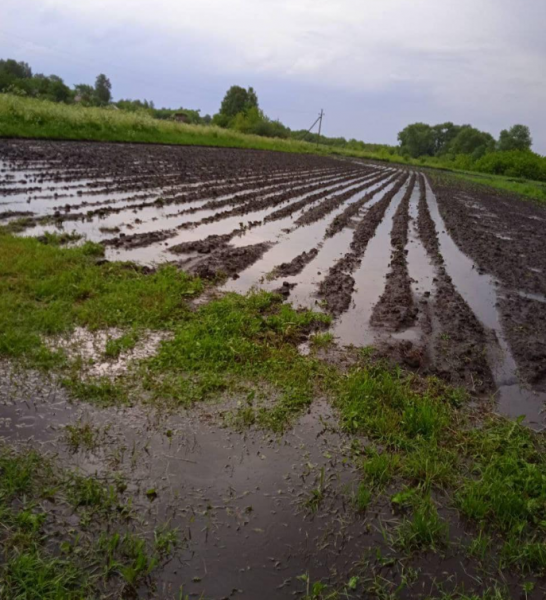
(46, 290)
(534, 190)
(251, 339)
(40, 558)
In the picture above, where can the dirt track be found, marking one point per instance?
(343, 234)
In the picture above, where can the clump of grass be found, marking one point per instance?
(252, 339)
(59, 239)
(425, 530)
(89, 492)
(380, 468)
(124, 343)
(99, 390)
(380, 402)
(18, 225)
(363, 497)
(81, 435)
(322, 340)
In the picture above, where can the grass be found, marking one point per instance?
(42, 559)
(251, 339)
(47, 291)
(425, 530)
(534, 190)
(30, 118)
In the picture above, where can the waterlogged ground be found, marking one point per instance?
(258, 455)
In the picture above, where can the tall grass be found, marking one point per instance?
(31, 118)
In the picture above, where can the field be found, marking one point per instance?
(269, 374)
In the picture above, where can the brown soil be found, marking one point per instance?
(296, 265)
(507, 238)
(227, 261)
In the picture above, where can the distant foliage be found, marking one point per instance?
(103, 90)
(420, 139)
(517, 137)
(238, 100)
(467, 148)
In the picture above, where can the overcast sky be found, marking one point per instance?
(373, 65)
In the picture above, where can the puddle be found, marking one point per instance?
(304, 295)
(90, 348)
(354, 327)
(238, 501)
(290, 244)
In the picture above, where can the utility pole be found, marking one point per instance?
(319, 121)
(320, 125)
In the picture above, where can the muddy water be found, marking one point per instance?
(354, 327)
(481, 292)
(238, 501)
(290, 244)
(303, 239)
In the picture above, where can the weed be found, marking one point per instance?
(88, 491)
(165, 540)
(321, 340)
(124, 343)
(379, 469)
(81, 435)
(424, 531)
(317, 494)
(363, 497)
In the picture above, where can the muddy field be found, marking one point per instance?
(447, 279)
(442, 278)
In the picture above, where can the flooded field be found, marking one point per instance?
(446, 280)
(442, 279)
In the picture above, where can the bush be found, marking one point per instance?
(513, 163)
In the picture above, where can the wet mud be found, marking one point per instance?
(226, 261)
(338, 286)
(296, 265)
(506, 238)
(395, 309)
(460, 341)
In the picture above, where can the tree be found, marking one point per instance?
(103, 90)
(518, 137)
(14, 76)
(417, 139)
(238, 100)
(17, 70)
(84, 93)
(472, 141)
(444, 134)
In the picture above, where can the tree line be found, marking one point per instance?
(468, 148)
(16, 77)
(445, 144)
